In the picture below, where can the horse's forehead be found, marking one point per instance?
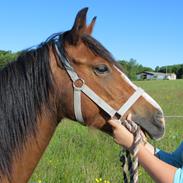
(81, 53)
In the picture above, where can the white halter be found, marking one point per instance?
(89, 92)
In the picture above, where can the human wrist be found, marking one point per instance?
(146, 146)
(150, 148)
(136, 142)
(130, 141)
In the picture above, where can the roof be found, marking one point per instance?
(155, 73)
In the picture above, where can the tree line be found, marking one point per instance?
(177, 69)
(6, 57)
(130, 67)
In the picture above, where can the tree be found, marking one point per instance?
(131, 68)
(157, 69)
(180, 72)
(6, 57)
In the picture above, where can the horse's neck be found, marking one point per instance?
(25, 163)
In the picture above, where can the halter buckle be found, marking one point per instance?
(78, 84)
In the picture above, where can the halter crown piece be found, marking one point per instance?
(88, 91)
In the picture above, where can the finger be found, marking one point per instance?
(129, 117)
(114, 122)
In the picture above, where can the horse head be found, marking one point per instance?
(97, 69)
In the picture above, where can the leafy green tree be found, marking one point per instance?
(132, 68)
(6, 57)
(180, 72)
(157, 69)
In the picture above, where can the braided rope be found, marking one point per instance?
(129, 157)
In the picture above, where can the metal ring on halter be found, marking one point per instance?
(78, 87)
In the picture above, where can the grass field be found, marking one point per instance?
(77, 154)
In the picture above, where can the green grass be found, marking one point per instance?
(77, 154)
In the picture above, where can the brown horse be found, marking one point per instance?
(36, 93)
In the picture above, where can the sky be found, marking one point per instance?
(149, 31)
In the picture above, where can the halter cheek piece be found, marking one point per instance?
(87, 91)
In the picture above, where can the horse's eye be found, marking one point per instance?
(101, 69)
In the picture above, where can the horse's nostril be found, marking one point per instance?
(159, 119)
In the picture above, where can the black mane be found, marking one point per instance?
(25, 86)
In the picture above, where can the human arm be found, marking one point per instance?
(160, 171)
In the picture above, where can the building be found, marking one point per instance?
(155, 75)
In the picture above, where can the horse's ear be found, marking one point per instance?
(79, 26)
(90, 27)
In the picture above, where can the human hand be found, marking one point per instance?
(121, 135)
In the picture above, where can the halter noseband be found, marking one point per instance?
(88, 91)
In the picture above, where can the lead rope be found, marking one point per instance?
(129, 157)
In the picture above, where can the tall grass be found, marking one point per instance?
(77, 154)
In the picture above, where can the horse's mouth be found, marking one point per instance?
(154, 126)
(152, 130)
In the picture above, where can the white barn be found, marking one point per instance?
(155, 75)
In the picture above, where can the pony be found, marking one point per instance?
(37, 92)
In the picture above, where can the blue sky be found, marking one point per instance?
(150, 31)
